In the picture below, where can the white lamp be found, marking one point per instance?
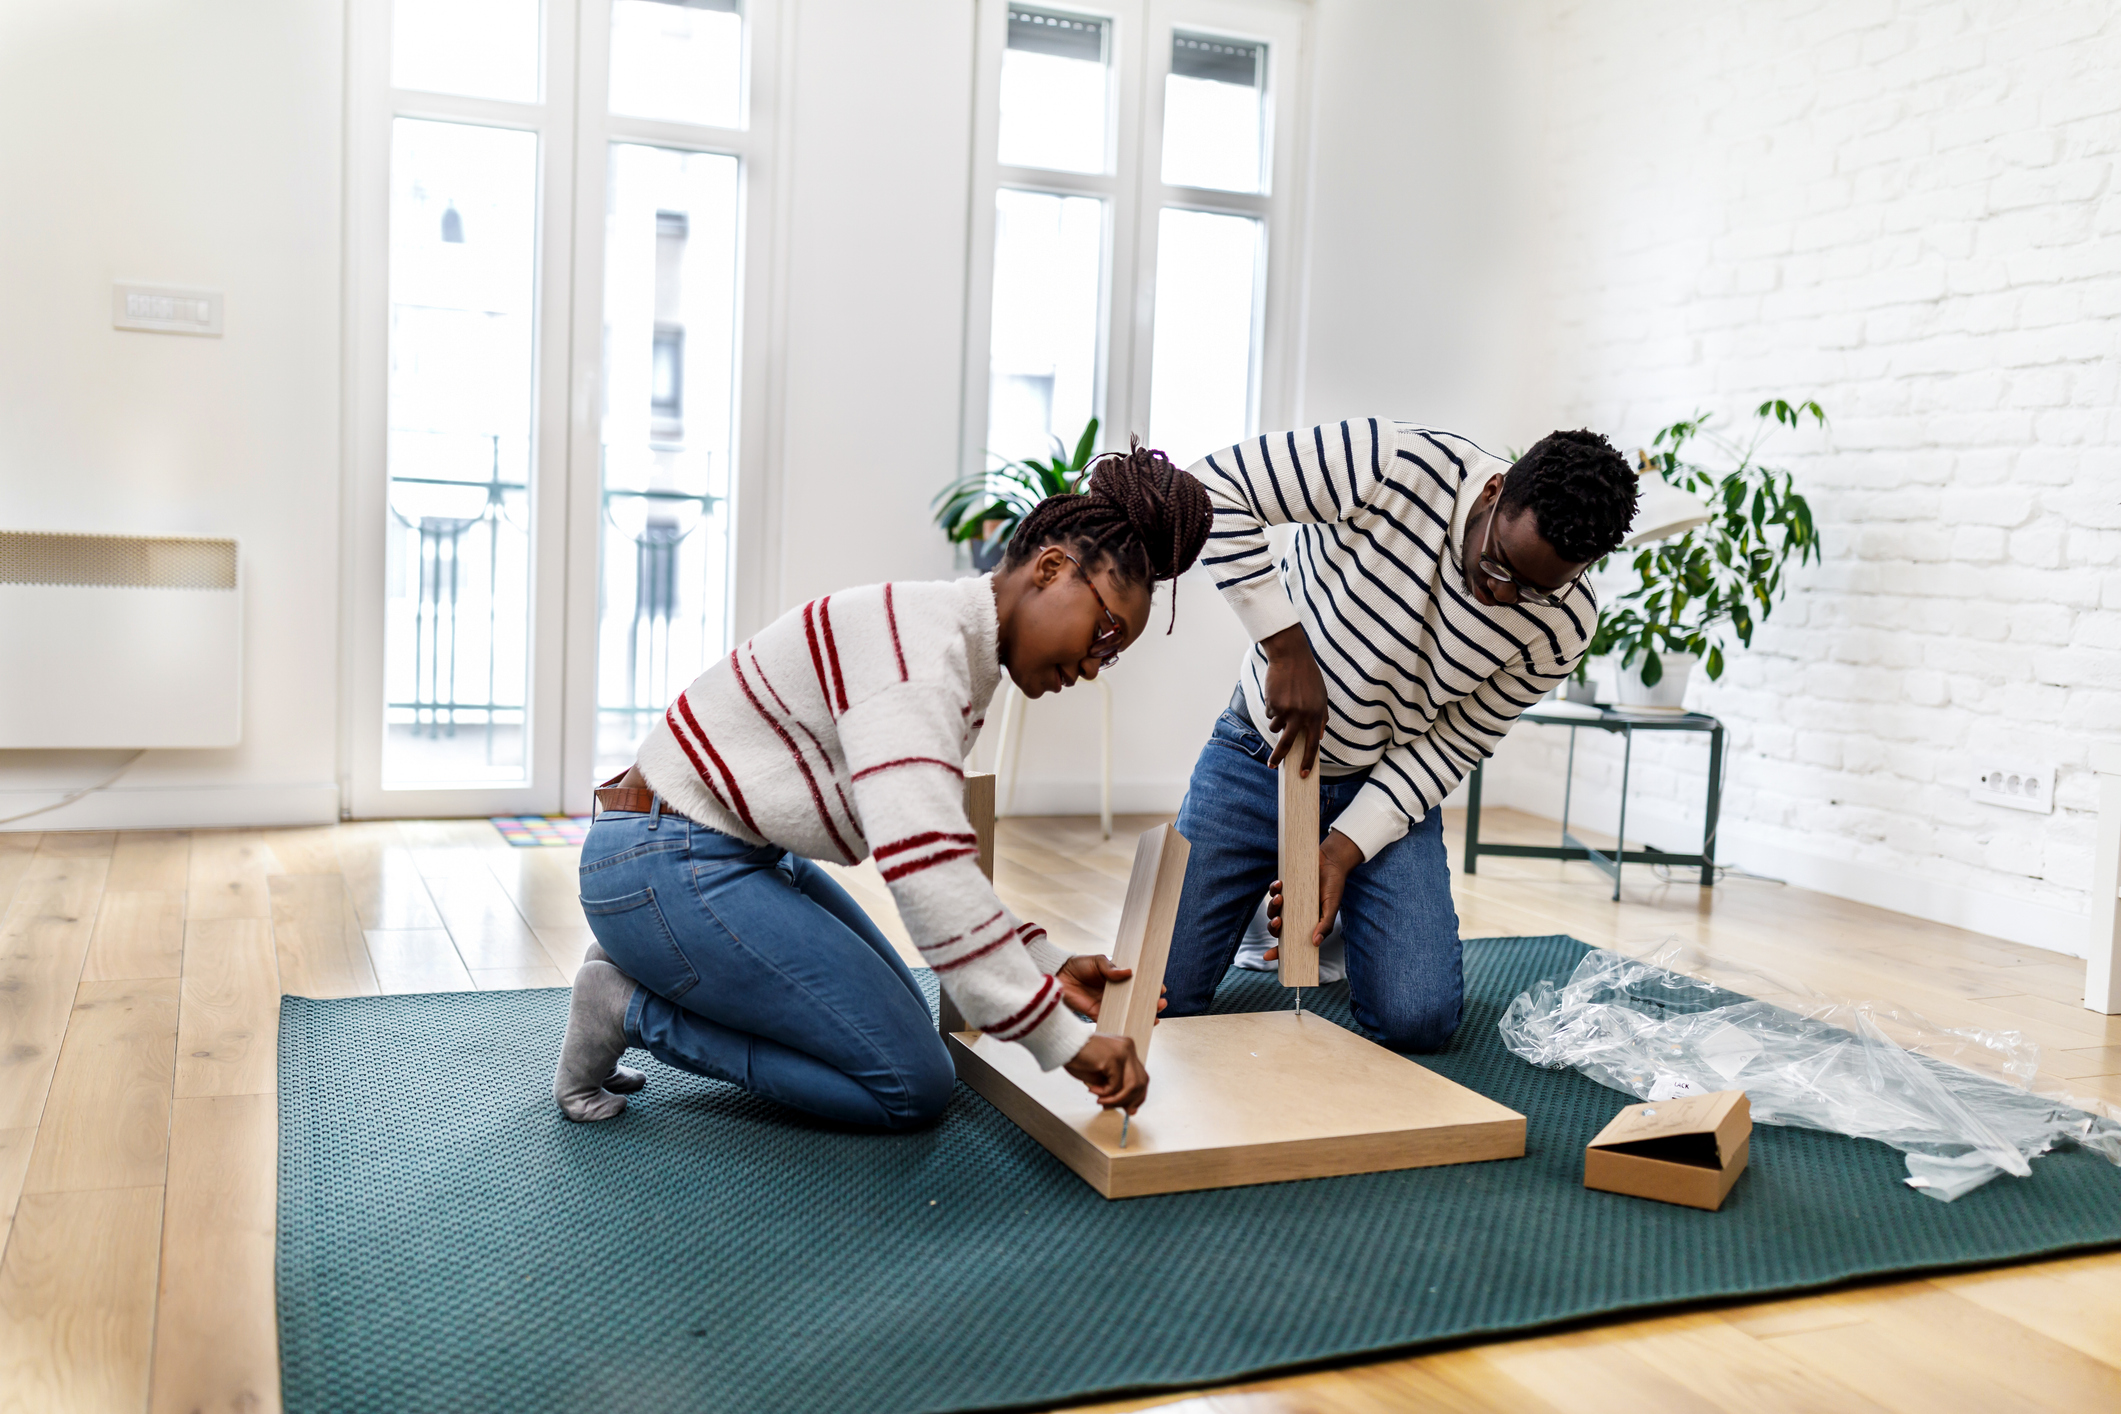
(1663, 510)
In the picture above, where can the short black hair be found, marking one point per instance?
(1581, 490)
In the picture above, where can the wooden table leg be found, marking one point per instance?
(1298, 840)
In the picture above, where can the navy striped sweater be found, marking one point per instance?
(1422, 681)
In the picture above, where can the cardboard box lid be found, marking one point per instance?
(1702, 1131)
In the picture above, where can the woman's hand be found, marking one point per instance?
(1296, 695)
(1337, 858)
(1082, 981)
(1112, 1071)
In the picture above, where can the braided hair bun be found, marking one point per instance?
(1140, 512)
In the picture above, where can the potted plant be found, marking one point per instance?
(1722, 576)
(986, 507)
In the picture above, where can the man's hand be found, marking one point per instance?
(1082, 982)
(1296, 695)
(1112, 1071)
(1337, 858)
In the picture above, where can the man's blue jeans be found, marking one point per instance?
(1405, 982)
(755, 968)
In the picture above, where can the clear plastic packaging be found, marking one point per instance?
(1957, 1103)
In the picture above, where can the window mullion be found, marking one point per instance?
(689, 136)
(483, 112)
(1102, 186)
(1222, 202)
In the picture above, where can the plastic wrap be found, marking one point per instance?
(1957, 1103)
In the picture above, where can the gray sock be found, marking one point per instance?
(596, 1037)
(624, 1079)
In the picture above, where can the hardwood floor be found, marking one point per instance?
(139, 983)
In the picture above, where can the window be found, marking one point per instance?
(670, 273)
(547, 365)
(463, 299)
(1055, 90)
(1215, 113)
(1128, 263)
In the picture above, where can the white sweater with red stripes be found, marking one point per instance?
(839, 732)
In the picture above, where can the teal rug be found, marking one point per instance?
(448, 1242)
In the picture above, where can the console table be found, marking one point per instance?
(1627, 724)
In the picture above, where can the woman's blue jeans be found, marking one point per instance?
(755, 968)
(1405, 981)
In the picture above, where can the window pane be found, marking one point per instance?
(1200, 377)
(483, 48)
(1214, 114)
(1048, 253)
(669, 344)
(680, 60)
(463, 269)
(1053, 92)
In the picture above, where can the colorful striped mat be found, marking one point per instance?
(542, 829)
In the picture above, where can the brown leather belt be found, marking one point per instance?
(635, 799)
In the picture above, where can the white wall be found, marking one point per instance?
(878, 158)
(191, 144)
(1907, 210)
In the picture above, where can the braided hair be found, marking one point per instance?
(1140, 513)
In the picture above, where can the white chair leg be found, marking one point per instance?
(1104, 779)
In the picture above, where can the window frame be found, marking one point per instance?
(575, 130)
(1134, 195)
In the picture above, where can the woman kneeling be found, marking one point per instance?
(838, 733)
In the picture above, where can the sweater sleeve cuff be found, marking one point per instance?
(1372, 821)
(1047, 954)
(1054, 1041)
(1261, 605)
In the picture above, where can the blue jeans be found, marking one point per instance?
(1405, 982)
(755, 968)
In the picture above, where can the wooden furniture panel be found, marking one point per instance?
(1237, 1100)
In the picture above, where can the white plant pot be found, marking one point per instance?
(1669, 695)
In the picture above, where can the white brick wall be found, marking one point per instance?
(1910, 210)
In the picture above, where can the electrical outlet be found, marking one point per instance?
(2016, 784)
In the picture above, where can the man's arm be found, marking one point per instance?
(1314, 476)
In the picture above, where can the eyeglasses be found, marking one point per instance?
(1550, 598)
(1105, 643)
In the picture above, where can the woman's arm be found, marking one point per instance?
(902, 752)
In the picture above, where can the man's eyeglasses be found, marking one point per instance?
(1105, 643)
(1526, 593)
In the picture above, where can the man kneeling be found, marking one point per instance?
(1430, 594)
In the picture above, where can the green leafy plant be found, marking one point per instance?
(987, 506)
(1727, 574)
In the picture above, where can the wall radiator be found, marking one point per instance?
(119, 641)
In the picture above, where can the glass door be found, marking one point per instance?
(460, 157)
(548, 206)
(670, 181)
